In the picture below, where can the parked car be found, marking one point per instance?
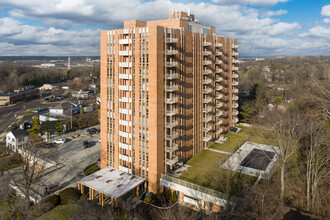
(60, 141)
(86, 144)
(93, 131)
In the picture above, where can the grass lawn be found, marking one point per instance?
(62, 212)
(235, 140)
(91, 169)
(5, 211)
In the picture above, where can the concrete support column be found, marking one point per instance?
(82, 189)
(181, 197)
(101, 199)
(91, 194)
(207, 206)
(79, 186)
(216, 208)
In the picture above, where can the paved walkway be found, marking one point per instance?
(218, 151)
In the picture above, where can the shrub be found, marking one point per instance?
(45, 205)
(83, 196)
(174, 198)
(167, 194)
(69, 195)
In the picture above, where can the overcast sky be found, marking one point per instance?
(72, 27)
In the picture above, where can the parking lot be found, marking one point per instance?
(73, 158)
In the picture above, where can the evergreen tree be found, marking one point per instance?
(35, 130)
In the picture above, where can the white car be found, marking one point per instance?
(59, 141)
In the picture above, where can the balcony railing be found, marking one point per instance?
(235, 90)
(172, 124)
(218, 71)
(172, 112)
(125, 53)
(235, 68)
(218, 88)
(218, 53)
(235, 75)
(218, 79)
(207, 128)
(218, 114)
(172, 100)
(172, 161)
(172, 76)
(207, 119)
(218, 44)
(171, 52)
(207, 81)
(125, 76)
(235, 120)
(218, 96)
(207, 100)
(171, 40)
(172, 88)
(125, 64)
(207, 72)
(172, 136)
(205, 44)
(235, 112)
(235, 105)
(235, 97)
(235, 54)
(218, 105)
(207, 110)
(207, 91)
(234, 46)
(218, 62)
(125, 88)
(207, 62)
(172, 149)
(218, 131)
(235, 61)
(235, 83)
(207, 53)
(125, 41)
(207, 138)
(171, 64)
(219, 122)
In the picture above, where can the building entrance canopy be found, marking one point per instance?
(112, 182)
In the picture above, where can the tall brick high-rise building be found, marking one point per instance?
(168, 90)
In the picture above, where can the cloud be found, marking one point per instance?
(251, 2)
(325, 11)
(61, 28)
(326, 20)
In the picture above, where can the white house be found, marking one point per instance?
(17, 138)
(63, 109)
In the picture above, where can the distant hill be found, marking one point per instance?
(44, 58)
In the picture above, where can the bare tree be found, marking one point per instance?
(286, 135)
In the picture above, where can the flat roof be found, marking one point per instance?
(112, 182)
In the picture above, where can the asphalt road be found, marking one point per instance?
(74, 158)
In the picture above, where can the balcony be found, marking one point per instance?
(218, 105)
(125, 53)
(172, 88)
(235, 90)
(235, 97)
(219, 122)
(171, 40)
(125, 158)
(125, 123)
(207, 62)
(235, 112)
(235, 46)
(235, 105)
(125, 64)
(207, 138)
(218, 96)
(172, 100)
(125, 169)
(218, 114)
(207, 110)
(218, 131)
(206, 44)
(125, 88)
(207, 119)
(235, 54)
(235, 120)
(218, 88)
(235, 61)
(172, 136)
(218, 79)
(207, 53)
(125, 146)
(218, 71)
(235, 68)
(172, 76)
(171, 52)
(125, 99)
(235, 75)
(125, 76)
(218, 62)
(172, 149)
(207, 128)
(125, 41)
(235, 83)
(126, 31)
(207, 81)
(218, 53)
(172, 112)
(207, 91)
(218, 45)
(172, 161)
(125, 111)
(207, 100)
(172, 124)
(171, 64)
(207, 72)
